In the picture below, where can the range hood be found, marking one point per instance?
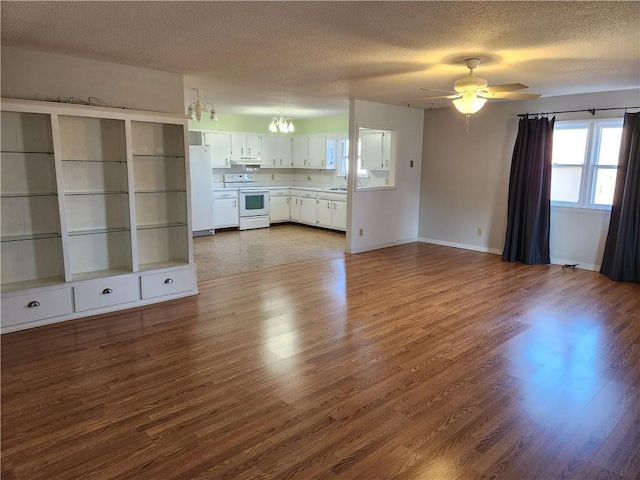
(245, 160)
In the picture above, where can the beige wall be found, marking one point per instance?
(465, 177)
(34, 75)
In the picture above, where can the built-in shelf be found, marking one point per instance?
(173, 190)
(20, 152)
(100, 274)
(159, 156)
(145, 267)
(28, 194)
(97, 231)
(28, 284)
(97, 192)
(161, 225)
(92, 160)
(31, 236)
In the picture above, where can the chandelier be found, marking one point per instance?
(196, 108)
(281, 124)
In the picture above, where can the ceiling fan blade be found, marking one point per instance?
(437, 90)
(508, 87)
(511, 95)
(424, 99)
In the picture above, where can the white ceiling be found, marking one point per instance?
(308, 58)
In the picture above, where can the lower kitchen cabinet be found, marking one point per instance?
(225, 209)
(308, 208)
(279, 209)
(332, 213)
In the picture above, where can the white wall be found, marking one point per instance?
(465, 177)
(386, 216)
(34, 75)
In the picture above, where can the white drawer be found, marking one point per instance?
(36, 306)
(167, 283)
(105, 293)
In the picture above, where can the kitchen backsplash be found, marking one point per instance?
(285, 176)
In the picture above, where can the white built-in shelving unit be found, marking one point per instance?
(95, 211)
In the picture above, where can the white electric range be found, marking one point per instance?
(253, 201)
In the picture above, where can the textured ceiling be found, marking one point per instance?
(309, 58)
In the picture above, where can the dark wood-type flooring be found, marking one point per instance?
(417, 361)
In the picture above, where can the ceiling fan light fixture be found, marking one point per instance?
(469, 103)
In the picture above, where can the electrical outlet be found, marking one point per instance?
(386, 181)
(273, 177)
(479, 232)
(361, 232)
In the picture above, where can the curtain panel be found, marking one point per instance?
(621, 260)
(529, 207)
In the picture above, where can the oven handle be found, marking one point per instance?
(250, 192)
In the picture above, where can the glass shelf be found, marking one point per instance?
(97, 192)
(25, 153)
(97, 231)
(92, 160)
(161, 191)
(157, 155)
(161, 225)
(31, 236)
(25, 195)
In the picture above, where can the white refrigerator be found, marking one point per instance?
(201, 190)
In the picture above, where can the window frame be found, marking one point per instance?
(590, 166)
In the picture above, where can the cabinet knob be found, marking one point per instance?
(33, 303)
(107, 291)
(169, 280)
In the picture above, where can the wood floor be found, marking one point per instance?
(417, 361)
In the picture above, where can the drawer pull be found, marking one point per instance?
(107, 291)
(32, 304)
(169, 280)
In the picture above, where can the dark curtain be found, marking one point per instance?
(621, 260)
(529, 209)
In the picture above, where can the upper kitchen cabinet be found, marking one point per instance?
(277, 151)
(220, 143)
(317, 151)
(375, 149)
(246, 145)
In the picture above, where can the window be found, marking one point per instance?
(585, 163)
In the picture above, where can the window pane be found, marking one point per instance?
(609, 145)
(565, 184)
(569, 145)
(605, 184)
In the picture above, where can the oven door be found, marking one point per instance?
(254, 203)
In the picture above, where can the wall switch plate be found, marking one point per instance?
(479, 232)
(361, 232)
(411, 163)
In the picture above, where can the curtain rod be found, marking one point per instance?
(592, 111)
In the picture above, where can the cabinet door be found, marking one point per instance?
(324, 213)
(238, 144)
(254, 145)
(339, 215)
(371, 151)
(285, 152)
(294, 209)
(317, 151)
(279, 211)
(300, 151)
(308, 210)
(225, 212)
(220, 145)
(386, 151)
(201, 188)
(332, 153)
(270, 156)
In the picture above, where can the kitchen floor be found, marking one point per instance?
(233, 251)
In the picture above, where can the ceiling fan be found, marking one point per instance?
(471, 92)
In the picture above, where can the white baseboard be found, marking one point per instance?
(464, 246)
(381, 245)
(495, 251)
(583, 266)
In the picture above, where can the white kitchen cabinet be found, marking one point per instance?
(279, 208)
(246, 144)
(375, 150)
(317, 151)
(301, 151)
(294, 206)
(225, 209)
(277, 151)
(220, 144)
(308, 208)
(334, 146)
(92, 194)
(332, 211)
